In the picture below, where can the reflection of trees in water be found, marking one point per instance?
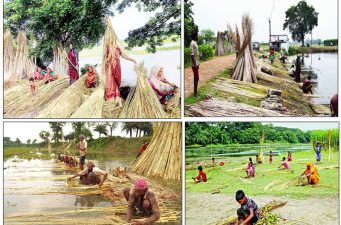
(88, 200)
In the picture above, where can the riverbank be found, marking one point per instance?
(236, 98)
(215, 198)
(101, 148)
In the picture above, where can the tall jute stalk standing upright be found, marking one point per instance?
(245, 65)
(9, 53)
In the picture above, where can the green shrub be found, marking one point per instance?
(293, 50)
(205, 52)
(334, 42)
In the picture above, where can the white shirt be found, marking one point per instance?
(291, 71)
(95, 170)
(83, 145)
(194, 50)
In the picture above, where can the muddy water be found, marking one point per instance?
(26, 181)
(323, 69)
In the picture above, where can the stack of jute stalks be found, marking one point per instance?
(142, 102)
(244, 69)
(9, 53)
(60, 65)
(68, 102)
(173, 106)
(21, 104)
(23, 66)
(162, 158)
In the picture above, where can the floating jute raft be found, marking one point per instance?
(162, 158)
(19, 102)
(142, 101)
(68, 102)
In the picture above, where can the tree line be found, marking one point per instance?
(57, 135)
(204, 133)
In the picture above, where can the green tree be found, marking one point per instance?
(7, 141)
(101, 129)
(165, 23)
(112, 126)
(34, 141)
(57, 130)
(78, 128)
(17, 141)
(128, 127)
(69, 137)
(207, 36)
(44, 135)
(51, 23)
(300, 19)
(28, 141)
(189, 24)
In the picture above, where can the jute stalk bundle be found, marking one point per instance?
(143, 102)
(68, 102)
(162, 158)
(23, 67)
(173, 106)
(60, 65)
(111, 109)
(92, 107)
(19, 103)
(9, 53)
(244, 69)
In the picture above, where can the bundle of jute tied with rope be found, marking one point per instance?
(9, 53)
(162, 158)
(244, 69)
(23, 67)
(142, 101)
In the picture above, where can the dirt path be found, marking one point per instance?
(207, 70)
(207, 209)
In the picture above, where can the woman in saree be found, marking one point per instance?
(162, 87)
(313, 178)
(111, 65)
(91, 77)
(37, 74)
(49, 76)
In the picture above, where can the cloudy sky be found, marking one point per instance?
(216, 14)
(30, 130)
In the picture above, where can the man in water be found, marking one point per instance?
(82, 146)
(140, 198)
(142, 148)
(194, 50)
(91, 175)
(72, 58)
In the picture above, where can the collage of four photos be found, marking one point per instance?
(196, 112)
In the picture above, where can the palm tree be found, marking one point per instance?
(34, 141)
(112, 126)
(128, 127)
(28, 141)
(101, 129)
(44, 135)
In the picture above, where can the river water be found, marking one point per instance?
(323, 68)
(169, 60)
(26, 181)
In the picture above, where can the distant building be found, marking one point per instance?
(279, 42)
(255, 46)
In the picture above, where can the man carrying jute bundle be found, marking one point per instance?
(140, 198)
(82, 146)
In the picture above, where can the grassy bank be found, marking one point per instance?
(102, 148)
(231, 177)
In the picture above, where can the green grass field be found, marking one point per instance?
(102, 148)
(231, 177)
